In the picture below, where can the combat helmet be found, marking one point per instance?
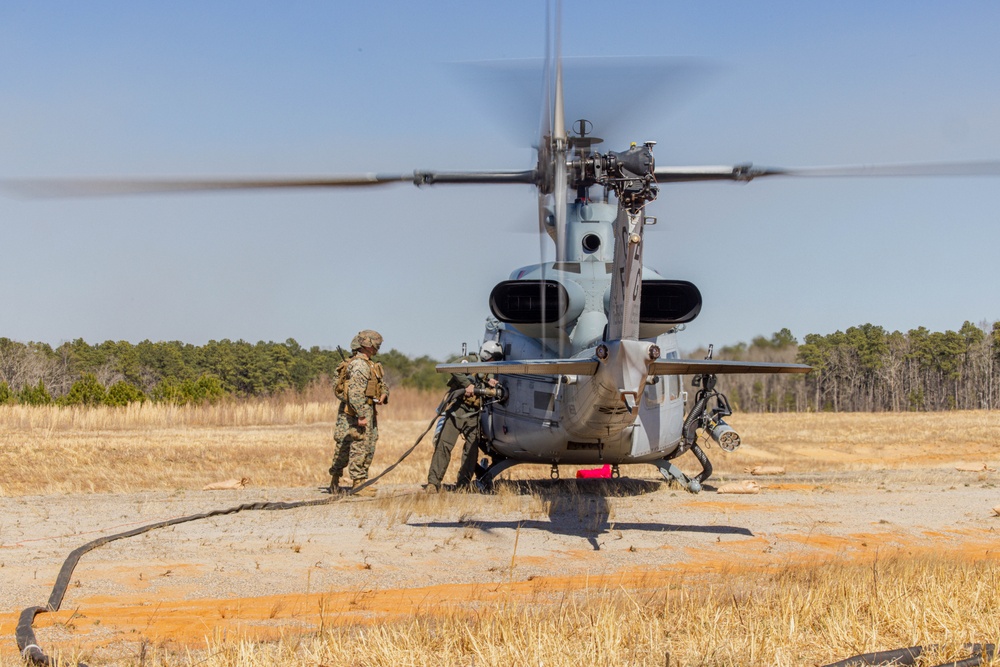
(366, 338)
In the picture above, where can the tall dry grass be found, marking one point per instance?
(315, 406)
(865, 441)
(789, 616)
(785, 616)
(289, 444)
(770, 615)
(50, 449)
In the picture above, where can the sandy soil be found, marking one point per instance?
(262, 574)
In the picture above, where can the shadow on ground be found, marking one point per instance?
(580, 508)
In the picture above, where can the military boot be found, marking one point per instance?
(367, 492)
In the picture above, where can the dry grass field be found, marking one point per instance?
(120, 450)
(845, 553)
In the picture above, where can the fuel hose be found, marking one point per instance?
(24, 633)
(980, 654)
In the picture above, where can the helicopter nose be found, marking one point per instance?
(610, 399)
(628, 352)
(626, 364)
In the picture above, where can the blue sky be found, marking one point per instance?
(314, 88)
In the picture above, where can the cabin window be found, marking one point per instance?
(653, 393)
(544, 400)
(674, 382)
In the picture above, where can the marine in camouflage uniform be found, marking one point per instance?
(356, 431)
(462, 419)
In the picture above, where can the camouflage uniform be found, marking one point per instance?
(355, 444)
(462, 418)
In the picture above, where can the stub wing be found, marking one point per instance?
(713, 367)
(589, 367)
(537, 367)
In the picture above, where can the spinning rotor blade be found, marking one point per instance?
(544, 146)
(552, 149)
(552, 125)
(748, 172)
(559, 151)
(95, 187)
(509, 93)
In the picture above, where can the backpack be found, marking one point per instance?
(340, 386)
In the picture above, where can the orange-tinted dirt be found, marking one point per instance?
(269, 574)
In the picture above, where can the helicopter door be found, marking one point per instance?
(661, 413)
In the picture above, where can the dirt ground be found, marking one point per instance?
(264, 574)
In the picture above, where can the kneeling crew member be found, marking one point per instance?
(463, 418)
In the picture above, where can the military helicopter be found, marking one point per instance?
(591, 361)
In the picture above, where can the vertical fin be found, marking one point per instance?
(626, 281)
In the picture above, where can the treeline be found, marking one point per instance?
(118, 373)
(864, 368)
(867, 368)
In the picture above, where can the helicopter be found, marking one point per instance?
(592, 364)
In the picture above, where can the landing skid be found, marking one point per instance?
(672, 473)
(485, 477)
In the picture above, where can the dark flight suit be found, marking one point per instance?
(462, 418)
